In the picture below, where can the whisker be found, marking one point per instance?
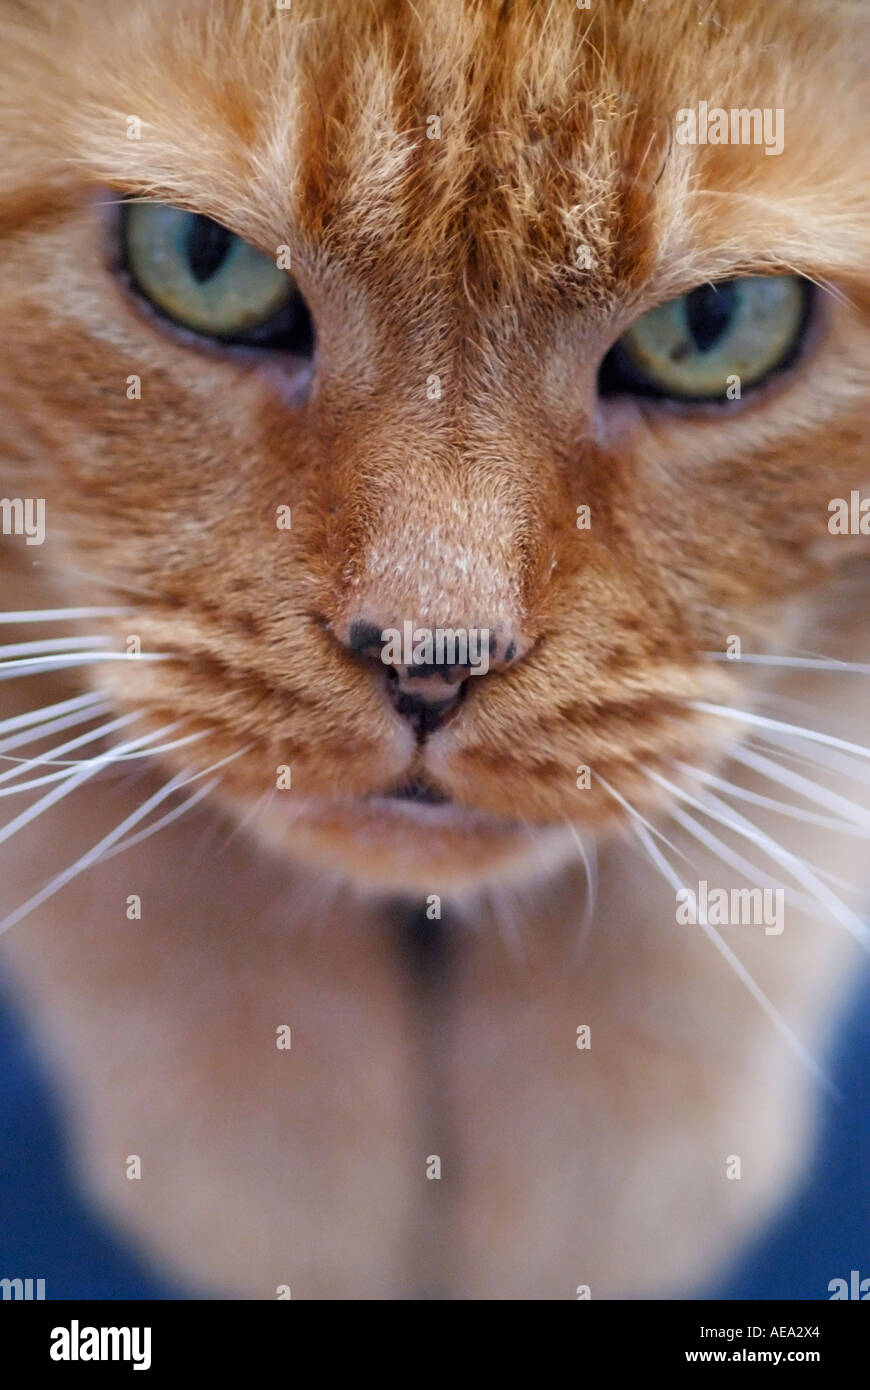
(637, 815)
(60, 615)
(839, 882)
(161, 747)
(810, 756)
(26, 666)
(760, 744)
(23, 764)
(802, 662)
(743, 866)
(164, 820)
(73, 780)
(732, 820)
(508, 928)
(53, 644)
(95, 853)
(761, 721)
(26, 763)
(780, 747)
(776, 1018)
(53, 726)
(848, 810)
(770, 803)
(250, 816)
(590, 867)
(23, 721)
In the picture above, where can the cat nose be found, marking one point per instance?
(427, 669)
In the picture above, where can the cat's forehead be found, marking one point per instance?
(494, 144)
(480, 139)
(498, 140)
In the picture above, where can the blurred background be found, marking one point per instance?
(47, 1232)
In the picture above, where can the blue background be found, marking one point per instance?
(47, 1232)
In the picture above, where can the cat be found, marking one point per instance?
(330, 317)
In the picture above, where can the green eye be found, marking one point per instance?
(205, 278)
(692, 348)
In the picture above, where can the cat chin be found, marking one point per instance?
(406, 847)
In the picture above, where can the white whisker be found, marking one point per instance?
(770, 803)
(53, 726)
(161, 747)
(736, 965)
(250, 816)
(60, 615)
(160, 824)
(636, 814)
(94, 854)
(26, 666)
(810, 755)
(839, 882)
(508, 928)
(38, 716)
(804, 758)
(848, 811)
(803, 663)
(761, 721)
(24, 764)
(73, 780)
(590, 866)
(743, 866)
(48, 645)
(732, 820)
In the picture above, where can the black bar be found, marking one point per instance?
(224, 1337)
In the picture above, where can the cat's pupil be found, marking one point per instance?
(207, 244)
(709, 310)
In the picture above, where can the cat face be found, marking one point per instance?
(475, 207)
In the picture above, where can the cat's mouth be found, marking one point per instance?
(415, 789)
(412, 836)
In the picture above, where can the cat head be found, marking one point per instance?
(336, 322)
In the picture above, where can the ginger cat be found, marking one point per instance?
(326, 319)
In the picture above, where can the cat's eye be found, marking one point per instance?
(205, 278)
(713, 343)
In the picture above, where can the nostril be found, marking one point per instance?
(428, 670)
(365, 639)
(425, 715)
